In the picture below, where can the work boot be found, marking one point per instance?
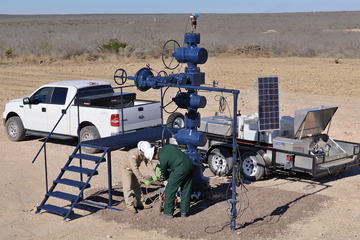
(144, 206)
(132, 210)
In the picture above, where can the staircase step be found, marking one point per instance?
(71, 182)
(54, 209)
(86, 171)
(64, 196)
(95, 159)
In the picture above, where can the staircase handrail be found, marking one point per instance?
(64, 112)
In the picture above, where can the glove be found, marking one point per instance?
(158, 171)
(154, 177)
(147, 182)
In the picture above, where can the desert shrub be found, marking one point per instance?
(86, 57)
(127, 51)
(38, 46)
(277, 44)
(70, 47)
(139, 53)
(28, 59)
(154, 52)
(8, 52)
(114, 45)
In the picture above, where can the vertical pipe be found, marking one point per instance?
(122, 112)
(46, 173)
(79, 137)
(78, 116)
(81, 175)
(161, 107)
(233, 196)
(109, 177)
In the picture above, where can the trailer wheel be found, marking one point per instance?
(253, 166)
(15, 129)
(88, 133)
(176, 120)
(220, 161)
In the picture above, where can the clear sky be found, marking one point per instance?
(171, 6)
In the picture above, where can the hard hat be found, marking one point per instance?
(149, 153)
(143, 145)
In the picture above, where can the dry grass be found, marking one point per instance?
(78, 37)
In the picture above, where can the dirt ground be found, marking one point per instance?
(277, 207)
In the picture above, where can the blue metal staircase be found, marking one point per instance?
(72, 181)
(71, 189)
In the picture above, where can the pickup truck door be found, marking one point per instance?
(56, 107)
(45, 108)
(35, 112)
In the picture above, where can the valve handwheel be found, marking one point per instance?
(164, 106)
(171, 45)
(121, 75)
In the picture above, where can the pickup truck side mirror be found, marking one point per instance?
(26, 100)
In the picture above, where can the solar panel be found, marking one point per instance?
(268, 96)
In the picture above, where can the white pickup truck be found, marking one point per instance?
(100, 111)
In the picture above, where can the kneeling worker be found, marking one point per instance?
(132, 177)
(181, 175)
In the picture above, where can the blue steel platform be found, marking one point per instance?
(132, 138)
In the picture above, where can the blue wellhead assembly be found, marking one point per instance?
(191, 80)
(192, 55)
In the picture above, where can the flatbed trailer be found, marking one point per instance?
(305, 150)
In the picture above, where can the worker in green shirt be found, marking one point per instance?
(180, 175)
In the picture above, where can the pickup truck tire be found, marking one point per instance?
(15, 129)
(88, 133)
(176, 120)
(220, 161)
(253, 166)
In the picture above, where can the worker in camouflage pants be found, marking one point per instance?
(180, 175)
(132, 177)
